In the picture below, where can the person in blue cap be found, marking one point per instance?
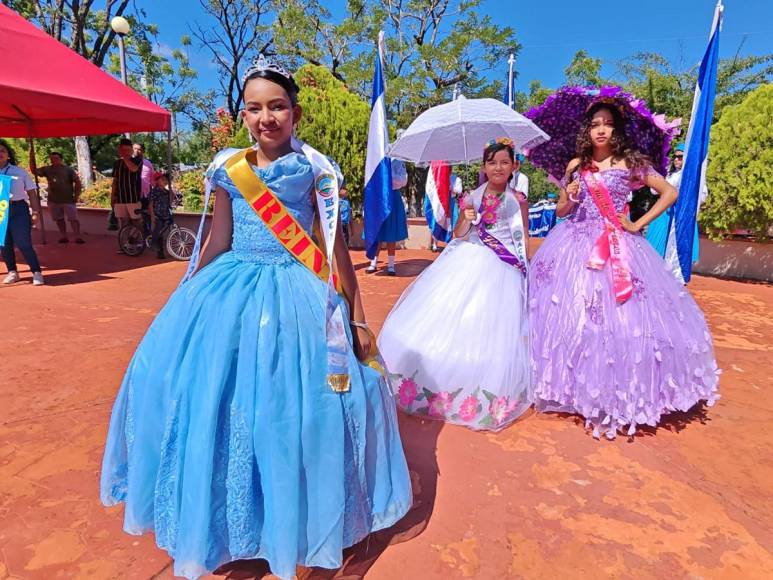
(659, 233)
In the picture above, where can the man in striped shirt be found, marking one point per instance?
(127, 184)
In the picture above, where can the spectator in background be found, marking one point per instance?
(64, 189)
(345, 211)
(146, 174)
(519, 182)
(127, 185)
(19, 232)
(160, 199)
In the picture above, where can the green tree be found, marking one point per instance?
(430, 47)
(584, 70)
(235, 33)
(433, 46)
(335, 121)
(670, 91)
(740, 173)
(304, 32)
(161, 73)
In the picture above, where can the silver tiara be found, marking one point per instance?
(262, 63)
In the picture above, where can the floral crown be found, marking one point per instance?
(263, 64)
(506, 141)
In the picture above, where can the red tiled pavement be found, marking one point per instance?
(693, 499)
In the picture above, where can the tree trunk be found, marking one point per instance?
(83, 153)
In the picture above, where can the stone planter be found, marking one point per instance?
(736, 258)
(93, 221)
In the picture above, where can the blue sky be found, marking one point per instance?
(551, 31)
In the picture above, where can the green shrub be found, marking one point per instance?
(740, 173)
(191, 186)
(98, 195)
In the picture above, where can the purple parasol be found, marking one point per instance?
(560, 116)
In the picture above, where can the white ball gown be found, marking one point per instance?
(455, 344)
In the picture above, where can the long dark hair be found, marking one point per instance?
(621, 147)
(11, 154)
(288, 84)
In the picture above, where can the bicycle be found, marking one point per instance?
(178, 241)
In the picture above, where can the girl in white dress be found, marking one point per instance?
(455, 344)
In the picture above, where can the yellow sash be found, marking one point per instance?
(274, 214)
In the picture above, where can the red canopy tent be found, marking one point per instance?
(48, 90)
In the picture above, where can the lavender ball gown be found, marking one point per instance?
(617, 365)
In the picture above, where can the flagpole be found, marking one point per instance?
(510, 87)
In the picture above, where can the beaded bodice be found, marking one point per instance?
(618, 182)
(291, 178)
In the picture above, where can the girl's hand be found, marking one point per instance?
(628, 225)
(362, 342)
(470, 214)
(573, 189)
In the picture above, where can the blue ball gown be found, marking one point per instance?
(225, 439)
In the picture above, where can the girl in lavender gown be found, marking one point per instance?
(615, 337)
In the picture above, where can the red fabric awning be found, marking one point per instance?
(48, 90)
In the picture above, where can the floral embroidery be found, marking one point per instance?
(595, 308)
(490, 209)
(407, 392)
(440, 404)
(500, 408)
(543, 273)
(469, 408)
(450, 406)
(638, 288)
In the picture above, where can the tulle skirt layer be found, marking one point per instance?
(456, 344)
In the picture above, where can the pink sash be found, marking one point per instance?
(610, 245)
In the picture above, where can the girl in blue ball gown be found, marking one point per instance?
(227, 439)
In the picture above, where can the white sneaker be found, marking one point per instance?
(11, 278)
(37, 279)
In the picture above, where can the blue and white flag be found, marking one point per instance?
(697, 149)
(378, 168)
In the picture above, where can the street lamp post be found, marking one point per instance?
(121, 27)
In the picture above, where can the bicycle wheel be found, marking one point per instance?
(131, 240)
(180, 242)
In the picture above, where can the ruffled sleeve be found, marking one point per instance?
(216, 173)
(640, 175)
